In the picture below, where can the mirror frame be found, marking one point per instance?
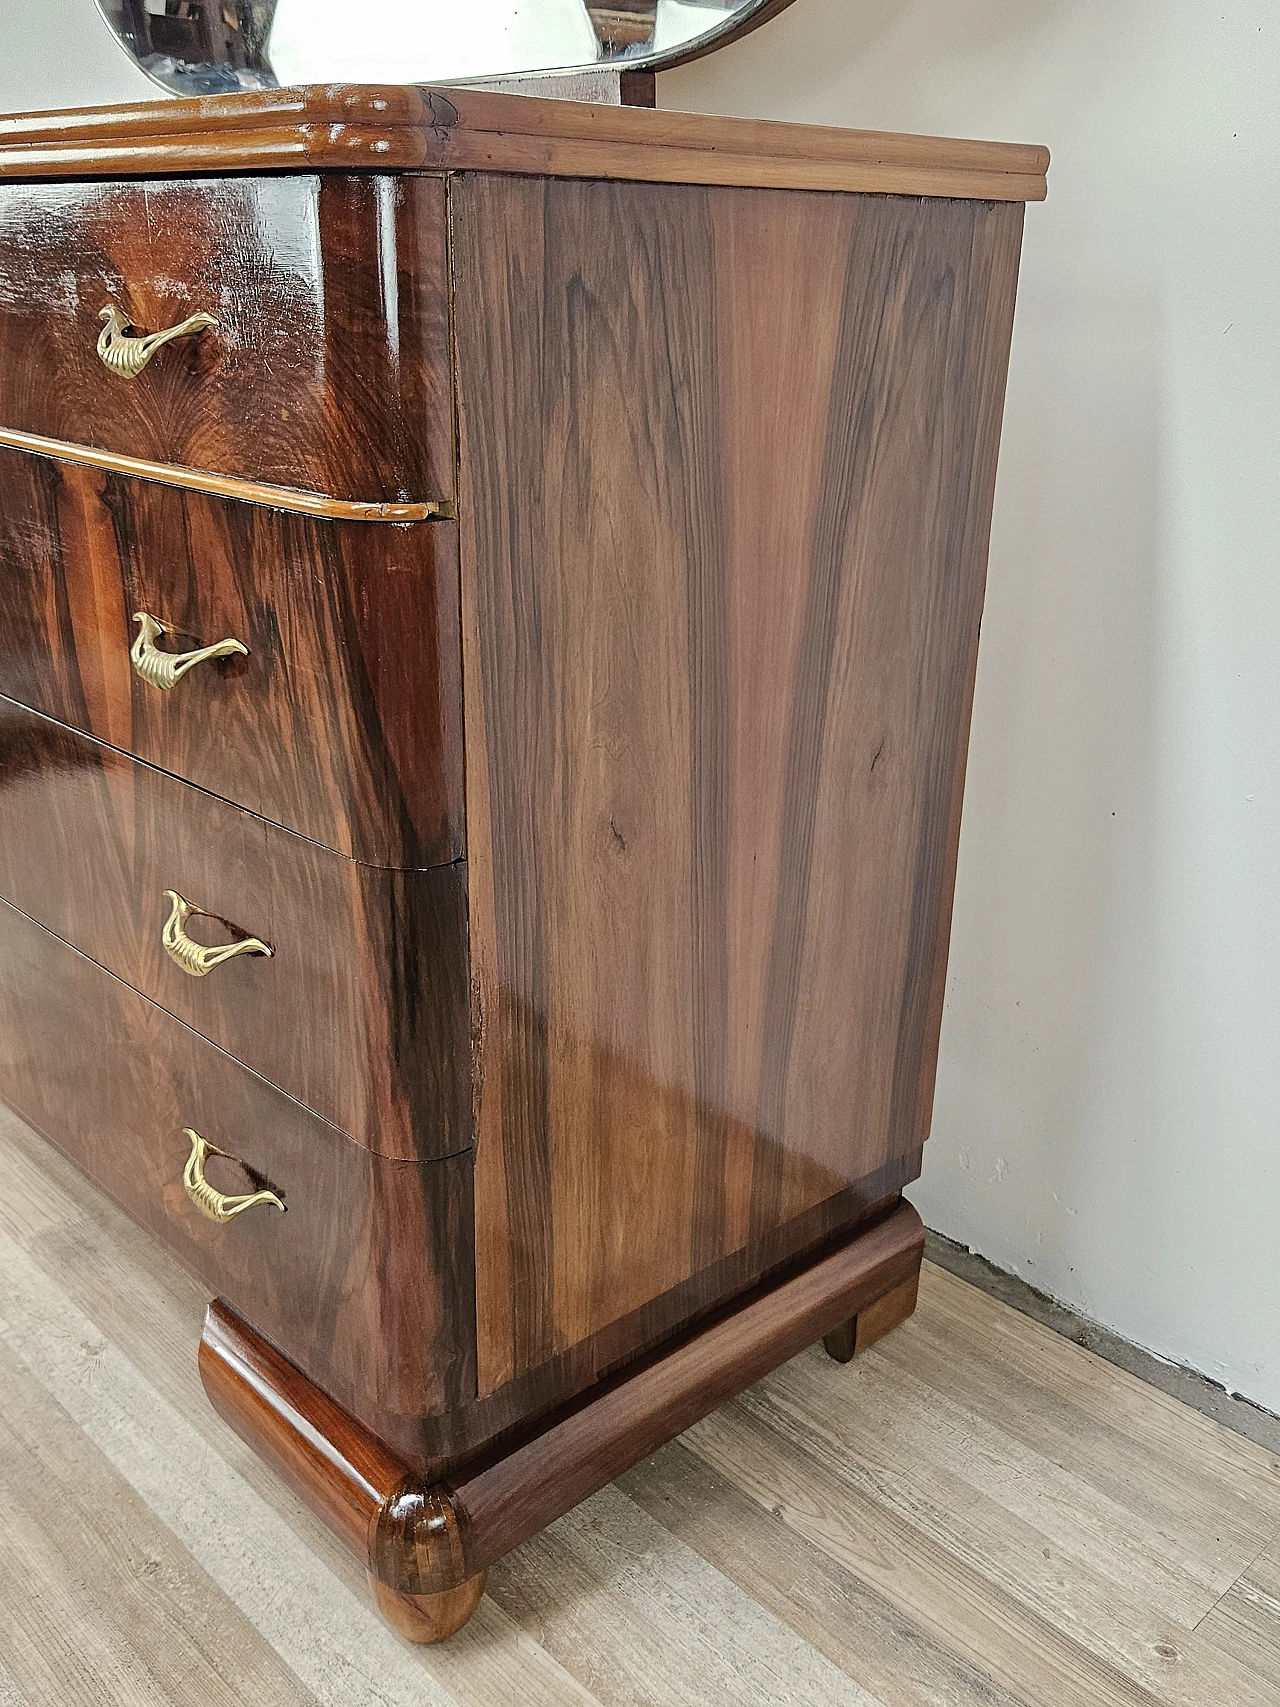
(759, 12)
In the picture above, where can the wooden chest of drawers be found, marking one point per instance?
(483, 708)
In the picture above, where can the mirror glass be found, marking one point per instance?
(204, 46)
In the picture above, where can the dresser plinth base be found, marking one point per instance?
(427, 1547)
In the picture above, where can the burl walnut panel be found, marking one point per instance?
(727, 463)
(343, 723)
(361, 1014)
(366, 1279)
(329, 368)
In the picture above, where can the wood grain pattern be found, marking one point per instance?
(345, 721)
(428, 1617)
(339, 1468)
(329, 368)
(726, 465)
(96, 1588)
(509, 1498)
(433, 1542)
(722, 576)
(361, 1014)
(886, 1314)
(560, 1380)
(345, 128)
(367, 1276)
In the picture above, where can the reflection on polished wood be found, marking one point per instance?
(718, 681)
(353, 128)
(367, 1278)
(603, 837)
(361, 1014)
(329, 372)
(223, 485)
(344, 722)
(428, 1545)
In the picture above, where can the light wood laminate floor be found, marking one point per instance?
(975, 1514)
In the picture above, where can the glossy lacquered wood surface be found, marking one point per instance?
(366, 1278)
(344, 722)
(727, 470)
(328, 369)
(361, 1012)
(289, 498)
(433, 1539)
(507, 1498)
(405, 1533)
(354, 127)
(507, 1411)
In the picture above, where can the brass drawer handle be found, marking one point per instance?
(216, 1205)
(193, 957)
(125, 355)
(163, 669)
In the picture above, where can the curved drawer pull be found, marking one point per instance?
(216, 1205)
(125, 355)
(193, 957)
(162, 669)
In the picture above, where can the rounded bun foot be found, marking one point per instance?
(428, 1617)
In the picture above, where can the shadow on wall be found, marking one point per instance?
(809, 49)
(1055, 873)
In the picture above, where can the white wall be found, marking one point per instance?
(1108, 1112)
(60, 53)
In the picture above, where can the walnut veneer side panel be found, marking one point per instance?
(345, 720)
(727, 463)
(329, 367)
(361, 1013)
(364, 1282)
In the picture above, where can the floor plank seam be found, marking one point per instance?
(1233, 1586)
(978, 1513)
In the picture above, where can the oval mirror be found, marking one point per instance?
(205, 46)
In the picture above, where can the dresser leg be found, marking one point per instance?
(428, 1617)
(408, 1536)
(427, 1545)
(843, 1343)
(873, 1323)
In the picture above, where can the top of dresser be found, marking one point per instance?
(349, 128)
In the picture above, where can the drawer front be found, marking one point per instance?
(344, 719)
(364, 1281)
(361, 1010)
(328, 369)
